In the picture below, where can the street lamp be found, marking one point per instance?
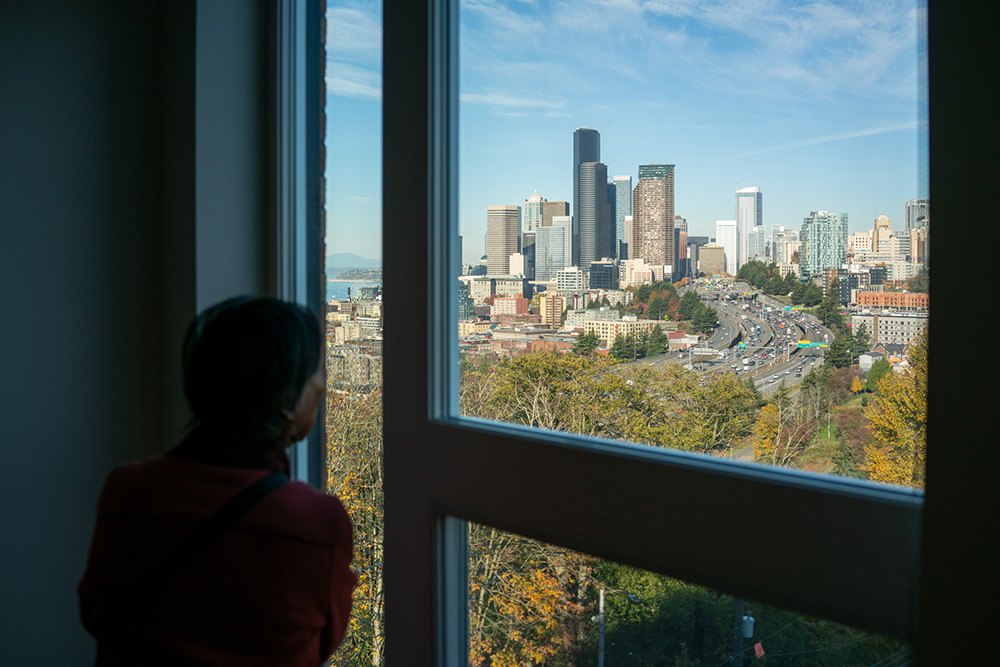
(743, 629)
(599, 619)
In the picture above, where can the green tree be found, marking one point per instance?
(586, 343)
(618, 350)
(829, 310)
(657, 342)
(641, 344)
(791, 283)
(838, 354)
(919, 282)
(705, 319)
(775, 285)
(657, 306)
(860, 340)
(879, 370)
(808, 294)
(752, 386)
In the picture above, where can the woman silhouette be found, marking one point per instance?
(204, 556)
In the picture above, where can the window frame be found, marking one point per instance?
(860, 567)
(296, 141)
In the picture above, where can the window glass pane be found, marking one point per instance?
(534, 603)
(701, 226)
(354, 303)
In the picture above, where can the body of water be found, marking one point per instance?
(339, 289)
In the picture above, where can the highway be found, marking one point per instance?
(757, 328)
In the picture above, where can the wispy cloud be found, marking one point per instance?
(351, 81)
(506, 104)
(353, 31)
(354, 51)
(841, 136)
(764, 49)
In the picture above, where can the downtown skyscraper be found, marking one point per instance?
(918, 214)
(623, 209)
(749, 216)
(503, 238)
(653, 217)
(591, 212)
(823, 243)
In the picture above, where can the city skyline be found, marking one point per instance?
(824, 113)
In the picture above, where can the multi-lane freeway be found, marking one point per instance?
(757, 337)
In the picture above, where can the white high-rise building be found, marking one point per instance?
(784, 244)
(918, 214)
(517, 264)
(627, 224)
(532, 218)
(623, 207)
(749, 216)
(882, 234)
(725, 236)
(570, 280)
(859, 244)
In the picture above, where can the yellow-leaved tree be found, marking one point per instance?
(354, 458)
(784, 429)
(897, 416)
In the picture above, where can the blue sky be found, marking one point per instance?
(817, 103)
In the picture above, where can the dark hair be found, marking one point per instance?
(245, 363)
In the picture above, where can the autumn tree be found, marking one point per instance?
(526, 600)
(784, 429)
(722, 412)
(852, 436)
(897, 415)
(354, 459)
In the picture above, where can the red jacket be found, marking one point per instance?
(273, 590)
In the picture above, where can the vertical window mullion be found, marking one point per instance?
(296, 244)
(451, 598)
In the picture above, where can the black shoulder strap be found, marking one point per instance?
(210, 530)
(185, 552)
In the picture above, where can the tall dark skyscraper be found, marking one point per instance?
(591, 212)
(612, 216)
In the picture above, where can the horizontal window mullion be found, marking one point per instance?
(831, 548)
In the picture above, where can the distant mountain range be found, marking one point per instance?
(340, 262)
